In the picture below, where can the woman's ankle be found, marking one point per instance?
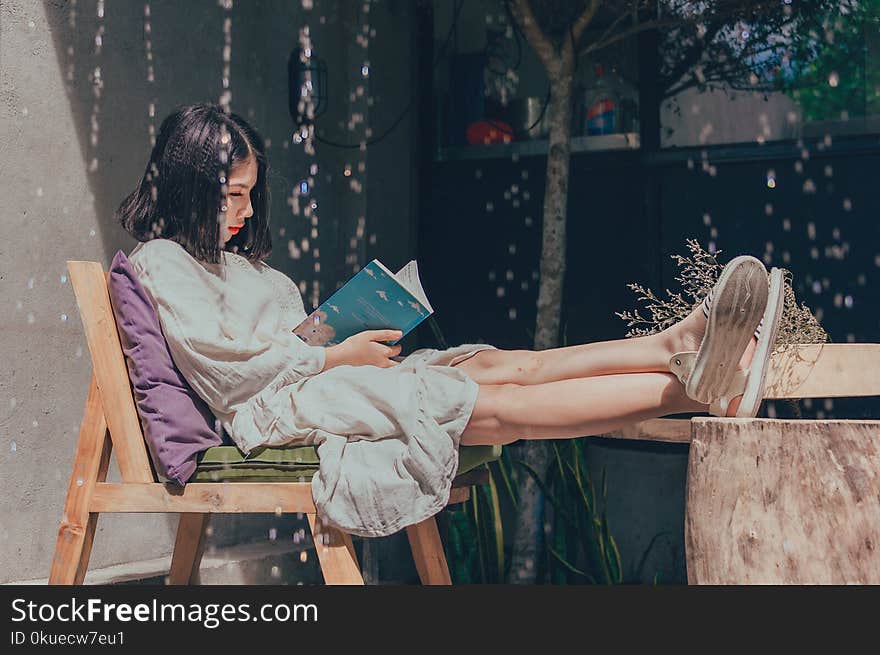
(684, 336)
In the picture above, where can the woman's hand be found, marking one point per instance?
(364, 349)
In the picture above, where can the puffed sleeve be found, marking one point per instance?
(222, 330)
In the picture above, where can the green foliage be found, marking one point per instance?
(580, 548)
(832, 73)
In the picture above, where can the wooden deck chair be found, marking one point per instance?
(111, 424)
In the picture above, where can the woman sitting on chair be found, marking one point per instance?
(387, 431)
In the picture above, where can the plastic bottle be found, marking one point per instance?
(627, 101)
(601, 106)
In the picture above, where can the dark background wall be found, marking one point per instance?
(627, 213)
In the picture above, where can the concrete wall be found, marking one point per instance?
(58, 205)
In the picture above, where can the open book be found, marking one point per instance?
(374, 299)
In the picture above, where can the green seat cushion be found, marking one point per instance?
(295, 463)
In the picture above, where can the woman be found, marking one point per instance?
(388, 430)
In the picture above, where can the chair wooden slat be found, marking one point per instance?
(89, 283)
(336, 554)
(427, 550)
(188, 548)
(214, 497)
(77, 527)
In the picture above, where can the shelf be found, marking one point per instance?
(604, 142)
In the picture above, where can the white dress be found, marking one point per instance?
(387, 438)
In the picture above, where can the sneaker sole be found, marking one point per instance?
(738, 303)
(754, 391)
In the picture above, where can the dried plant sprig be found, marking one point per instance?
(798, 325)
(698, 274)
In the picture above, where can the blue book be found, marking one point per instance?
(374, 299)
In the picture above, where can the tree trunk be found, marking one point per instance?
(536, 454)
(774, 501)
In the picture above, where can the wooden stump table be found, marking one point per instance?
(774, 501)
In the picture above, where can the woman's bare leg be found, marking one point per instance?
(637, 355)
(574, 408)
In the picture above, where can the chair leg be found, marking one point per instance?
(88, 539)
(336, 554)
(188, 548)
(77, 529)
(427, 552)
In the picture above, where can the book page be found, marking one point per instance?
(408, 276)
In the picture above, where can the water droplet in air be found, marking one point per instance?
(13, 447)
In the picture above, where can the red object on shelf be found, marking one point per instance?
(485, 132)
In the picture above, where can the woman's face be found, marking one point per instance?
(242, 179)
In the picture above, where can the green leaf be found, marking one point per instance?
(644, 558)
(546, 491)
(504, 468)
(498, 529)
(481, 547)
(559, 558)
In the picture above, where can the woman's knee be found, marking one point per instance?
(506, 366)
(528, 364)
(494, 411)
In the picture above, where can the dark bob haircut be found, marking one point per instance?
(181, 194)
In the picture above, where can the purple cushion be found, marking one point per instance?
(177, 423)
